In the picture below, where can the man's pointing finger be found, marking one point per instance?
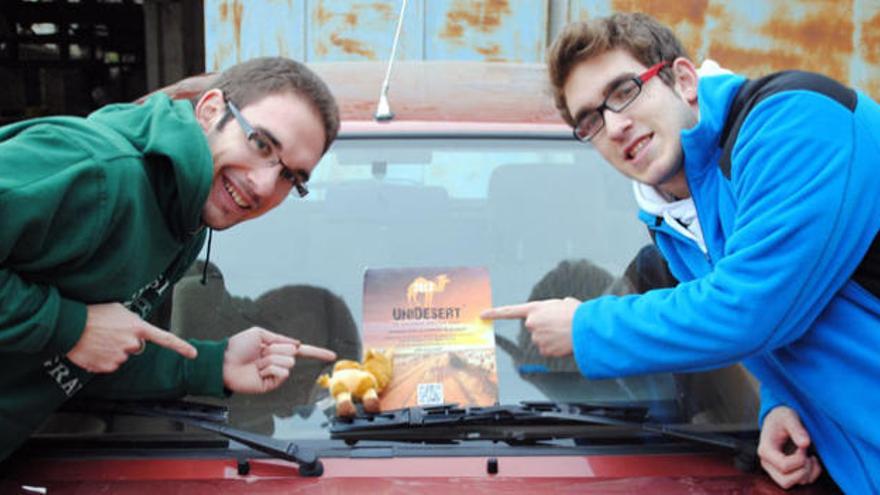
(315, 352)
(515, 311)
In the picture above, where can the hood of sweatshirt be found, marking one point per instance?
(176, 153)
(681, 214)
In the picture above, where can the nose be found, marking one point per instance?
(616, 124)
(263, 180)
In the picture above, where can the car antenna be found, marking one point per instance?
(383, 110)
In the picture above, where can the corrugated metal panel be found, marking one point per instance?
(342, 30)
(490, 30)
(337, 30)
(840, 38)
(237, 30)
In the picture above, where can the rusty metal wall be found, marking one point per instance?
(334, 30)
(840, 38)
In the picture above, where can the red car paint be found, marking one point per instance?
(655, 474)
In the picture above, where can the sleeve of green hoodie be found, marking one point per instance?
(54, 206)
(161, 373)
(35, 317)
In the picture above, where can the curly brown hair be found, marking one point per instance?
(642, 36)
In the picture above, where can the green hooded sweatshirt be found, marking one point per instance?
(96, 210)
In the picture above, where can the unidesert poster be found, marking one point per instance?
(443, 352)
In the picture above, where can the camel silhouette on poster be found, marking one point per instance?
(426, 288)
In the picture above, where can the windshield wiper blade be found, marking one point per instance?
(526, 422)
(211, 418)
(576, 413)
(307, 459)
(745, 451)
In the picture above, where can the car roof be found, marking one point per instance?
(444, 91)
(432, 97)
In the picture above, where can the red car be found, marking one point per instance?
(474, 169)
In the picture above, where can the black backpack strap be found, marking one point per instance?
(753, 92)
(868, 272)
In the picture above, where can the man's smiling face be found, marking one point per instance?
(249, 181)
(644, 140)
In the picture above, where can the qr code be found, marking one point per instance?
(430, 394)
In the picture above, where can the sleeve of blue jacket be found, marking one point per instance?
(791, 249)
(769, 401)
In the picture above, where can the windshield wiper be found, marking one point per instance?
(210, 418)
(527, 422)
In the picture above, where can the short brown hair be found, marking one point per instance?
(250, 81)
(642, 36)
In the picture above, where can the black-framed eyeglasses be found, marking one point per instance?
(589, 123)
(264, 146)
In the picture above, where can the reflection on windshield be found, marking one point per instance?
(545, 216)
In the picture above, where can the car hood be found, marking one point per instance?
(656, 474)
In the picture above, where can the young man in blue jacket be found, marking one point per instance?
(774, 240)
(102, 215)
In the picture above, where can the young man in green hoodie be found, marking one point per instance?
(102, 215)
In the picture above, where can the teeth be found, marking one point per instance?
(638, 147)
(235, 197)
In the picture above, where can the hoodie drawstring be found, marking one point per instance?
(207, 257)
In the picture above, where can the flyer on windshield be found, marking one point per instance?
(443, 352)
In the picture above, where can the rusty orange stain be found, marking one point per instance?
(685, 17)
(828, 28)
(220, 56)
(452, 31)
(351, 19)
(484, 16)
(384, 10)
(870, 39)
(351, 46)
(224, 11)
(282, 44)
(753, 62)
(320, 48)
(671, 13)
(822, 38)
(490, 51)
(872, 87)
(237, 14)
(322, 16)
(813, 35)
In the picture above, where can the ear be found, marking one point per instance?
(210, 108)
(685, 79)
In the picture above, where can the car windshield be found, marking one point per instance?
(543, 214)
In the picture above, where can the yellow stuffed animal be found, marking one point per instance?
(352, 381)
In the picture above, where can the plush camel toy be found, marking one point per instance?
(352, 381)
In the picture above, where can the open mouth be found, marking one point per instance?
(638, 146)
(236, 197)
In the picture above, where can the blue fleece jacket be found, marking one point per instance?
(784, 236)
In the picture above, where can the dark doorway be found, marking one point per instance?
(73, 56)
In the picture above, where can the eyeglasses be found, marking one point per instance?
(264, 146)
(588, 124)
